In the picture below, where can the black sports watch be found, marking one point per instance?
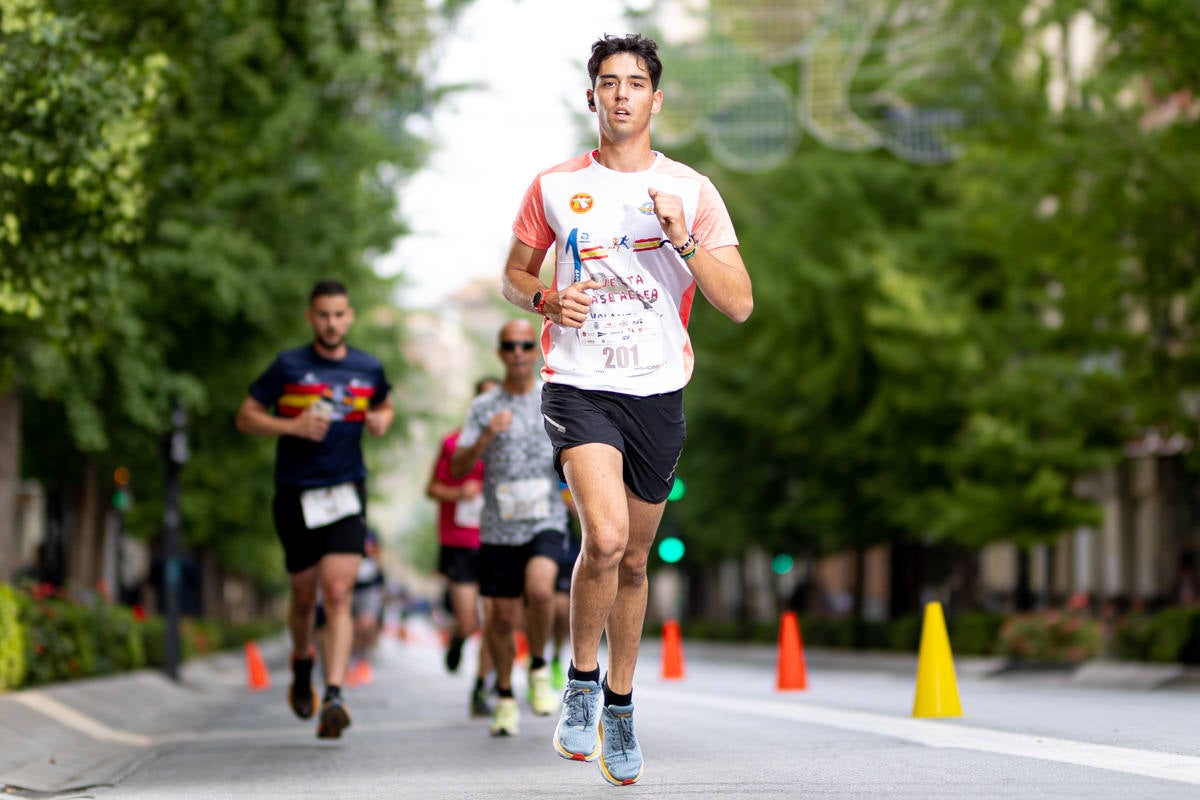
(536, 302)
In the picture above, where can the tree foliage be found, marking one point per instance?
(75, 126)
(270, 141)
(942, 353)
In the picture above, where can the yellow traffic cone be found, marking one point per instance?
(937, 687)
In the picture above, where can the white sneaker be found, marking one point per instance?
(504, 718)
(543, 700)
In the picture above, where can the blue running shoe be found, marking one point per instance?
(620, 755)
(576, 737)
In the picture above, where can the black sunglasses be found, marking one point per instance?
(508, 347)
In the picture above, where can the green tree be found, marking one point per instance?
(939, 354)
(75, 126)
(279, 145)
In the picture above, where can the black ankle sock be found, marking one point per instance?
(332, 692)
(504, 692)
(479, 684)
(536, 662)
(611, 698)
(592, 675)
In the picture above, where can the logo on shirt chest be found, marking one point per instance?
(581, 202)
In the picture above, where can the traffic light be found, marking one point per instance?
(782, 564)
(678, 490)
(670, 549)
(121, 498)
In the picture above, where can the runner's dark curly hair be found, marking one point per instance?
(646, 51)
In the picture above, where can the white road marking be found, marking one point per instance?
(81, 722)
(89, 726)
(931, 733)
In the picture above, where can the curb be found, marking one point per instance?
(72, 735)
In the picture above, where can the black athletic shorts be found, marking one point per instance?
(459, 564)
(302, 547)
(502, 566)
(649, 432)
(566, 565)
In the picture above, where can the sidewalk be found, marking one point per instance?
(93, 732)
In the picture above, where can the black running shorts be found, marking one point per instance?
(304, 547)
(459, 564)
(649, 432)
(502, 566)
(566, 565)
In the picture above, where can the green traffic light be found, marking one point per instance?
(671, 549)
(782, 564)
(678, 490)
(120, 500)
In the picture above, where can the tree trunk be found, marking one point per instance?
(10, 480)
(84, 553)
(860, 581)
(1023, 596)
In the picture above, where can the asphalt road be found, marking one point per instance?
(722, 731)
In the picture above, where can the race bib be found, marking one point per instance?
(329, 504)
(527, 499)
(467, 513)
(623, 342)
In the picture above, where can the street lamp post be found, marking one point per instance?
(176, 451)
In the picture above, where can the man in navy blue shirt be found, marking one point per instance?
(317, 399)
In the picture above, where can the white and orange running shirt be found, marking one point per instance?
(603, 227)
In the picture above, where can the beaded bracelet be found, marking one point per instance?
(689, 248)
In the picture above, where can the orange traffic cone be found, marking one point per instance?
(257, 677)
(364, 673)
(791, 672)
(522, 643)
(672, 651)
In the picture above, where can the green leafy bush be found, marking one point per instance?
(60, 644)
(12, 640)
(154, 641)
(119, 643)
(1132, 636)
(1050, 637)
(1171, 635)
(46, 636)
(975, 633)
(904, 634)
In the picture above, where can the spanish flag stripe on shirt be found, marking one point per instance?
(305, 388)
(293, 404)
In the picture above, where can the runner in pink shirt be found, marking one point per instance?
(460, 502)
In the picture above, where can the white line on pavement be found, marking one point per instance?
(1150, 763)
(89, 726)
(81, 722)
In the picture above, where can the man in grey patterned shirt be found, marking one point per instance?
(522, 531)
